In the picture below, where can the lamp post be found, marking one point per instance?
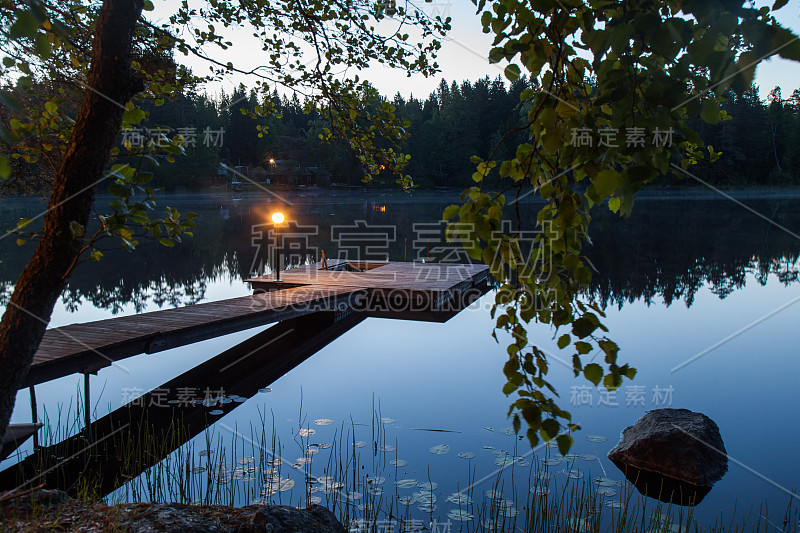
(277, 218)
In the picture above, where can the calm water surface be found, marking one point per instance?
(701, 294)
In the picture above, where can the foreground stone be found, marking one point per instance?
(674, 455)
(45, 510)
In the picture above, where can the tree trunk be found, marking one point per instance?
(110, 85)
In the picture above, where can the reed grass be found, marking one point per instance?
(353, 492)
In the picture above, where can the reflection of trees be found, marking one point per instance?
(673, 248)
(667, 249)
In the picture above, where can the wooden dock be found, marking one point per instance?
(412, 291)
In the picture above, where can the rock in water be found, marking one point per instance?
(275, 518)
(674, 455)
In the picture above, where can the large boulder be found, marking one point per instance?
(674, 455)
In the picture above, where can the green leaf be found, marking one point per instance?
(51, 107)
(710, 111)
(779, 4)
(583, 327)
(20, 242)
(76, 229)
(25, 26)
(133, 116)
(564, 444)
(5, 168)
(583, 347)
(166, 242)
(564, 340)
(23, 223)
(512, 72)
(606, 182)
(593, 373)
(612, 381)
(148, 6)
(550, 428)
(42, 45)
(451, 211)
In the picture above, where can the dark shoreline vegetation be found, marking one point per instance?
(760, 142)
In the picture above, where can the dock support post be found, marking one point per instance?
(87, 415)
(34, 416)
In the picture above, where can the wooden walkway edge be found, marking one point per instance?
(91, 346)
(410, 291)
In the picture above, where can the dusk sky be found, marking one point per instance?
(463, 54)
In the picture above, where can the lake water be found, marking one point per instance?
(702, 295)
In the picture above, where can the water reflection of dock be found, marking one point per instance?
(413, 291)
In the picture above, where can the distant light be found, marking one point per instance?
(277, 217)
(271, 161)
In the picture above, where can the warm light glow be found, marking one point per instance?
(277, 217)
(271, 161)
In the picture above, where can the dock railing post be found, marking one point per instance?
(34, 417)
(87, 415)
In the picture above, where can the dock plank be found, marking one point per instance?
(90, 346)
(423, 291)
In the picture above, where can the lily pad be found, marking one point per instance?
(426, 507)
(246, 460)
(353, 496)
(205, 453)
(606, 491)
(388, 420)
(508, 431)
(315, 500)
(589, 457)
(508, 512)
(323, 421)
(198, 469)
(552, 461)
(596, 438)
(406, 500)
(425, 497)
(265, 389)
(466, 455)
(216, 412)
(377, 480)
(614, 504)
(398, 462)
(406, 483)
(460, 515)
(459, 498)
(540, 491)
(428, 485)
(439, 449)
(573, 474)
(305, 432)
(503, 461)
(387, 448)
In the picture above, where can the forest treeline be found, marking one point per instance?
(760, 143)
